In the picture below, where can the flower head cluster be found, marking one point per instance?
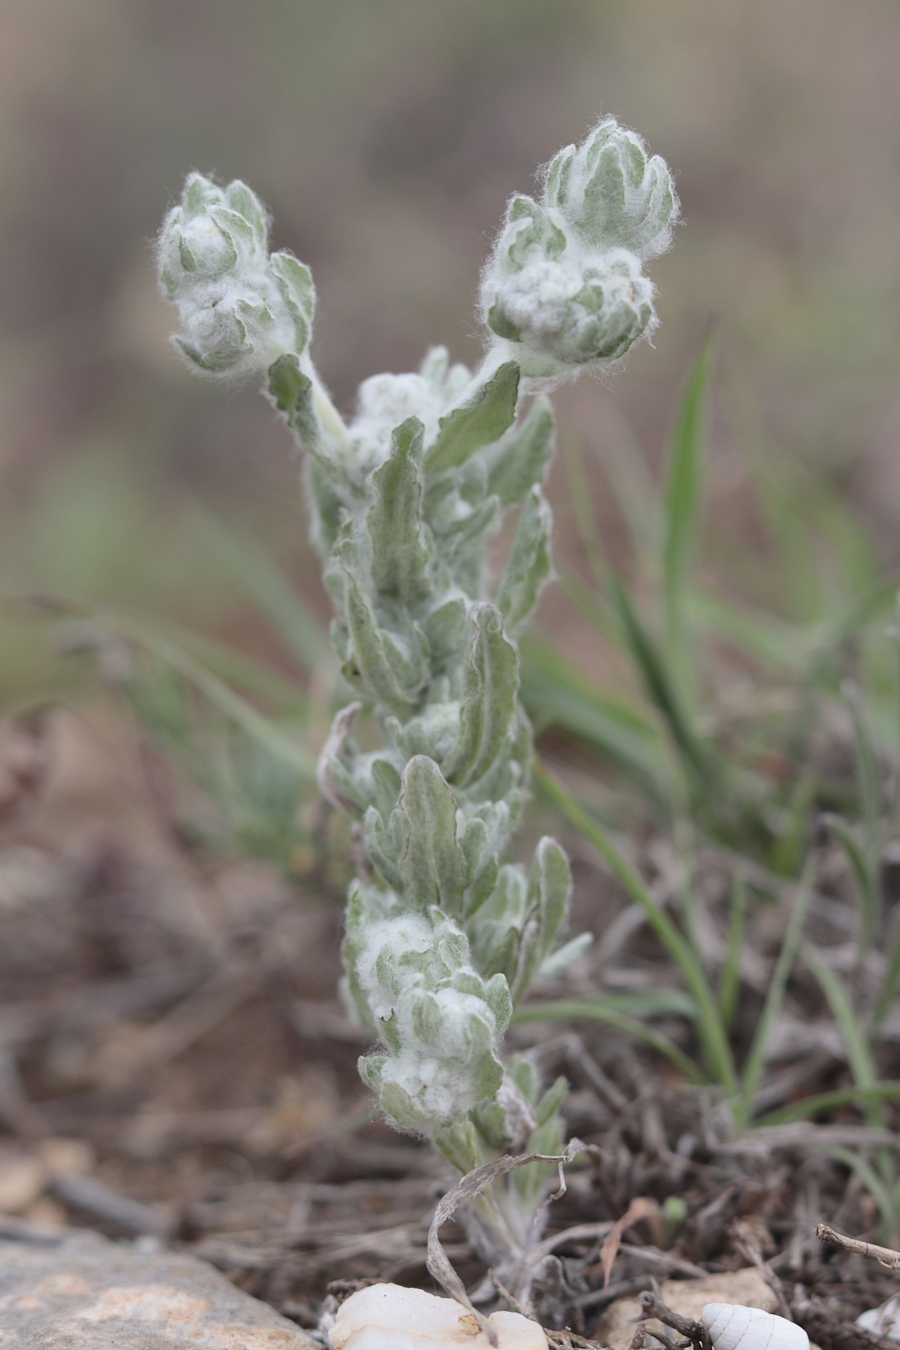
(441, 1023)
(563, 288)
(239, 306)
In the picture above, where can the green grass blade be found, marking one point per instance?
(710, 1028)
(874, 603)
(859, 1057)
(653, 1002)
(760, 636)
(756, 1058)
(585, 516)
(870, 811)
(861, 867)
(557, 694)
(792, 842)
(630, 483)
(258, 727)
(662, 692)
(880, 1192)
(888, 985)
(264, 582)
(730, 980)
(595, 608)
(600, 1009)
(682, 511)
(824, 1101)
(232, 666)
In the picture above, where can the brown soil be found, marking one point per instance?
(174, 1063)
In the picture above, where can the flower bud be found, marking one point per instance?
(527, 232)
(612, 193)
(581, 309)
(239, 309)
(440, 1022)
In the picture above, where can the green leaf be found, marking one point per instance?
(528, 567)
(214, 364)
(710, 1026)
(463, 539)
(609, 1009)
(295, 284)
(495, 928)
(385, 841)
(682, 507)
(551, 1101)
(479, 421)
(292, 393)
(444, 629)
(523, 455)
(549, 889)
(459, 1145)
(398, 1105)
(400, 552)
(433, 867)
(480, 851)
(489, 703)
(372, 667)
(232, 225)
(387, 784)
(562, 957)
(240, 198)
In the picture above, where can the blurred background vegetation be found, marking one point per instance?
(728, 543)
(385, 138)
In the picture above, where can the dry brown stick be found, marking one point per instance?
(748, 1245)
(471, 1185)
(653, 1306)
(885, 1256)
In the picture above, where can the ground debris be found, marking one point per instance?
(747, 1286)
(174, 1062)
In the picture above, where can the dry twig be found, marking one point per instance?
(885, 1256)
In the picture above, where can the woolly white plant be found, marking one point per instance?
(443, 937)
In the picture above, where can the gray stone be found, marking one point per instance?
(83, 1292)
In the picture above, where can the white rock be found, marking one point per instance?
(884, 1321)
(389, 1317)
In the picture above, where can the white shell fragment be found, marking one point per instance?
(389, 1317)
(883, 1321)
(734, 1327)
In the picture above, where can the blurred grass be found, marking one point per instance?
(386, 139)
(729, 596)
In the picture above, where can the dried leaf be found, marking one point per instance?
(466, 1189)
(640, 1208)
